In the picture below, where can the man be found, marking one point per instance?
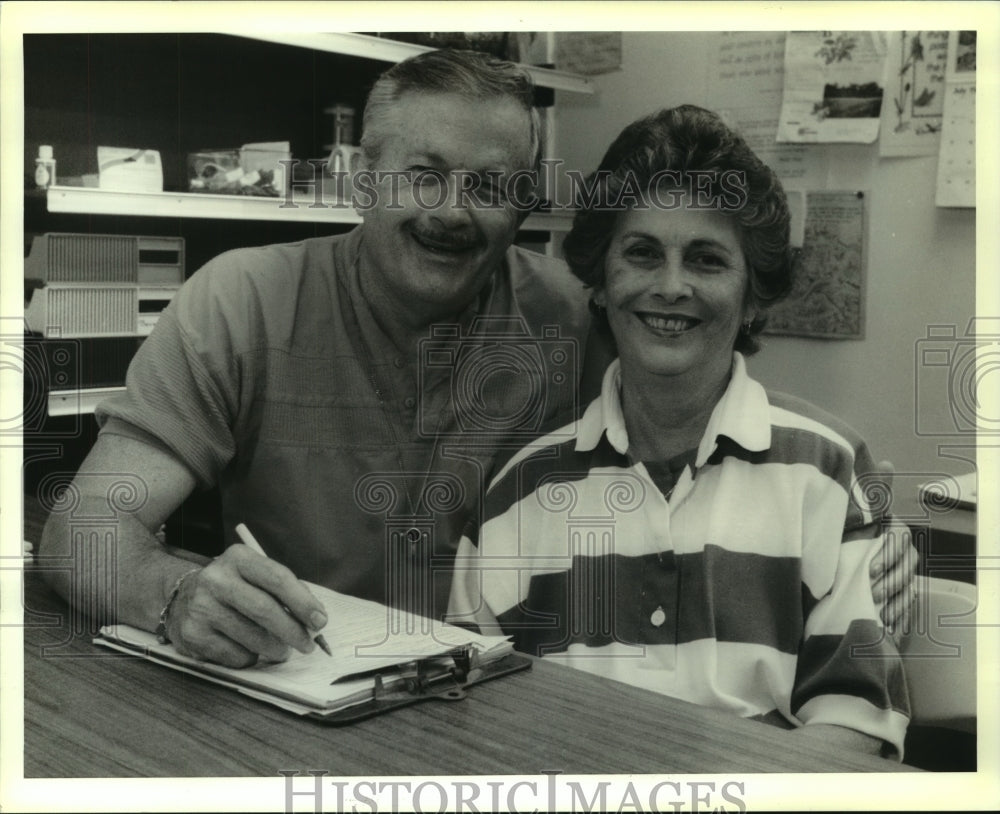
(346, 394)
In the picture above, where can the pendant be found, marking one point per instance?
(658, 616)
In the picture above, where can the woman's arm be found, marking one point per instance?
(842, 736)
(467, 606)
(848, 674)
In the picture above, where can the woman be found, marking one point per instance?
(692, 533)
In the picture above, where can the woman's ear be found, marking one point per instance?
(751, 309)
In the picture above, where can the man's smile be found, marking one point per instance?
(445, 243)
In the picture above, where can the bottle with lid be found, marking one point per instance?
(45, 167)
(344, 156)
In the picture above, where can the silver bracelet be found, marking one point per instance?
(161, 627)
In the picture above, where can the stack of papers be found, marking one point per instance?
(367, 640)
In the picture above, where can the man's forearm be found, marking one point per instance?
(117, 572)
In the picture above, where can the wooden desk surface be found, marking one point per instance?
(92, 713)
(945, 538)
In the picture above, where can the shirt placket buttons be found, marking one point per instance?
(658, 617)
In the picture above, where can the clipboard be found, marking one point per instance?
(371, 668)
(426, 681)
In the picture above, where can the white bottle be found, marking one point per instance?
(45, 167)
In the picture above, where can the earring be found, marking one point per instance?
(746, 326)
(595, 309)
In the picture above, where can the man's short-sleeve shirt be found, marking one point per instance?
(355, 465)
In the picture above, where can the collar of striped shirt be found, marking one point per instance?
(742, 414)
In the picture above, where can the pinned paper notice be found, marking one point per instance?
(832, 86)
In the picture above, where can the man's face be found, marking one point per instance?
(430, 245)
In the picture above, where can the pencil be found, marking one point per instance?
(251, 542)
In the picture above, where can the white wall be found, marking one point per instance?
(921, 261)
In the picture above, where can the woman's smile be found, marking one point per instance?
(667, 324)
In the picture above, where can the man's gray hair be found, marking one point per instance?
(470, 74)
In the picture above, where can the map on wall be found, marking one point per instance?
(827, 300)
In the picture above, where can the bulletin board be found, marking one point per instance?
(780, 90)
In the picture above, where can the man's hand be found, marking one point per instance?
(892, 572)
(242, 607)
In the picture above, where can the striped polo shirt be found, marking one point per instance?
(744, 588)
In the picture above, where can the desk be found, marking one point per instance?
(92, 713)
(945, 538)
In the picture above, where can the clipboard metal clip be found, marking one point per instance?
(433, 678)
(446, 678)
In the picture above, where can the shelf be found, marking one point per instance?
(78, 402)
(385, 50)
(93, 201)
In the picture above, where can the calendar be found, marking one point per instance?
(956, 176)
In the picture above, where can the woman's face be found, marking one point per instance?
(675, 290)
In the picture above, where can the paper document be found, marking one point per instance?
(914, 87)
(364, 637)
(833, 86)
(956, 177)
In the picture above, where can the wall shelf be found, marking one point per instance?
(99, 76)
(93, 201)
(386, 50)
(78, 402)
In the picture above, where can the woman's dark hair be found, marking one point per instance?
(692, 149)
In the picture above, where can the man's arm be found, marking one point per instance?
(893, 573)
(230, 610)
